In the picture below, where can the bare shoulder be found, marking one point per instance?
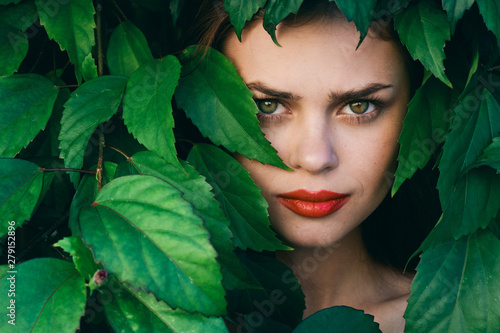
(390, 310)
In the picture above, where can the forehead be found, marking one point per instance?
(315, 53)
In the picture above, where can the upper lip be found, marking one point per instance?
(313, 196)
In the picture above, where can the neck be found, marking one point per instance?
(341, 274)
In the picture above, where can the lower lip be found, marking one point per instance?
(313, 209)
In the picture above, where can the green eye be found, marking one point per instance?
(267, 106)
(359, 107)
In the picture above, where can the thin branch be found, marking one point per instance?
(119, 10)
(119, 151)
(92, 172)
(99, 161)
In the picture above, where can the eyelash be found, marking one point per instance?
(351, 118)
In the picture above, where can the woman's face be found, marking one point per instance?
(333, 113)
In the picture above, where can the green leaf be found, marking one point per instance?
(455, 10)
(89, 68)
(278, 302)
(20, 16)
(21, 183)
(128, 49)
(490, 156)
(241, 11)
(147, 106)
(240, 198)
(277, 10)
(424, 29)
(456, 288)
(26, 102)
(90, 104)
(176, 7)
(339, 319)
(473, 203)
(6, 2)
(71, 24)
(424, 128)
(147, 235)
(198, 192)
(13, 49)
(490, 10)
(359, 11)
(221, 106)
(476, 123)
(81, 255)
(137, 311)
(49, 297)
(14, 19)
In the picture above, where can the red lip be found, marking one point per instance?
(313, 203)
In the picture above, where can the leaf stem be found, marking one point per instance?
(99, 161)
(68, 86)
(100, 56)
(119, 151)
(92, 172)
(119, 10)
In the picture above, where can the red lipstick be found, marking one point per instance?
(313, 203)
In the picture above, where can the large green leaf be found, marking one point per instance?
(476, 123)
(277, 10)
(473, 203)
(455, 10)
(339, 319)
(71, 24)
(147, 106)
(240, 198)
(490, 10)
(359, 11)
(198, 192)
(90, 104)
(456, 288)
(128, 49)
(26, 102)
(49, 297)
(21, 183)
(81, 254)
(137, 311)
(147, 235)
(424, 29)
(424, 128)
(241, 11)
(221, 106)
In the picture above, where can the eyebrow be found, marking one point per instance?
(352, 95)
(259, 86)
(333, 97)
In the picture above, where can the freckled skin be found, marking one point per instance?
(326, 150)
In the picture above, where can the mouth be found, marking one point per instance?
(313, 203)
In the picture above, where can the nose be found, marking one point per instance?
(312, 147)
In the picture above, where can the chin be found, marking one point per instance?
(313, 235)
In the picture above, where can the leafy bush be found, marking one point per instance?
(152, 224)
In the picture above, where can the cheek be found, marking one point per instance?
(372, 156)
